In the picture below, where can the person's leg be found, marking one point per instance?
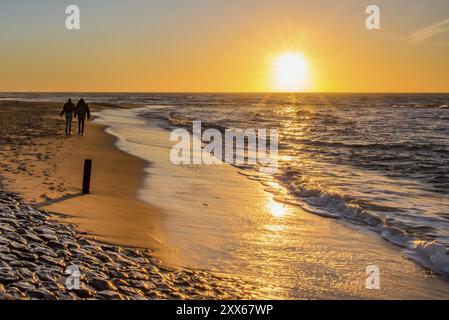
(66, 124)
(82, 125)
(79, 124)
(70, 124)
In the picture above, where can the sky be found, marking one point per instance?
(222, 45)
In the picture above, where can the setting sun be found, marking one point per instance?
(291, 71)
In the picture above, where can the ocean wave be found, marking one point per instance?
(423, 106)
(430, 254)
(401, 146)
(421, 243)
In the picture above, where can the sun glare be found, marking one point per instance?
(291, 71)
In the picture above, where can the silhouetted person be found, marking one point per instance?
(68, 110)
(81, 111)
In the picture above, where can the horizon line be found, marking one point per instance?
(225, 92)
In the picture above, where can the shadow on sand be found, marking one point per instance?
(57, 200)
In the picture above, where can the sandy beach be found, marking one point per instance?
(70, 229)
(142, 203)
(49, 172)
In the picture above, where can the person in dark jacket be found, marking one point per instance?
(81, 111)
(68, 110)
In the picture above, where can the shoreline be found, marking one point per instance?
(244, 227)
(338, 264)
(37, 246)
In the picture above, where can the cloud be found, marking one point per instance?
(428, 32)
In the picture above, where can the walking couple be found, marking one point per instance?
(81, 110)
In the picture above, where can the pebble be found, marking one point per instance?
(4, 241)
(23, 286)
(41, 294)
(56, 245)
(102, 284)
(25, 256)
(14, 294)
(131, 291)
(84, 291)
(109, 295)
(46, 276)
(44, 251)
(31, 237)
(142, 285)
(52, 286)
(7, 276)
(52, 261)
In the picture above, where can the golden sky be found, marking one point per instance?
(222, 46)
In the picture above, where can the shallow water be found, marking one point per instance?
(218, 219)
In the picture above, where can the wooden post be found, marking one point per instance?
(86, 176)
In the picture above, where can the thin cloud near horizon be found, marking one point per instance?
(428, 32)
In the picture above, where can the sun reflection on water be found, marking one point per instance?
(277, 209)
